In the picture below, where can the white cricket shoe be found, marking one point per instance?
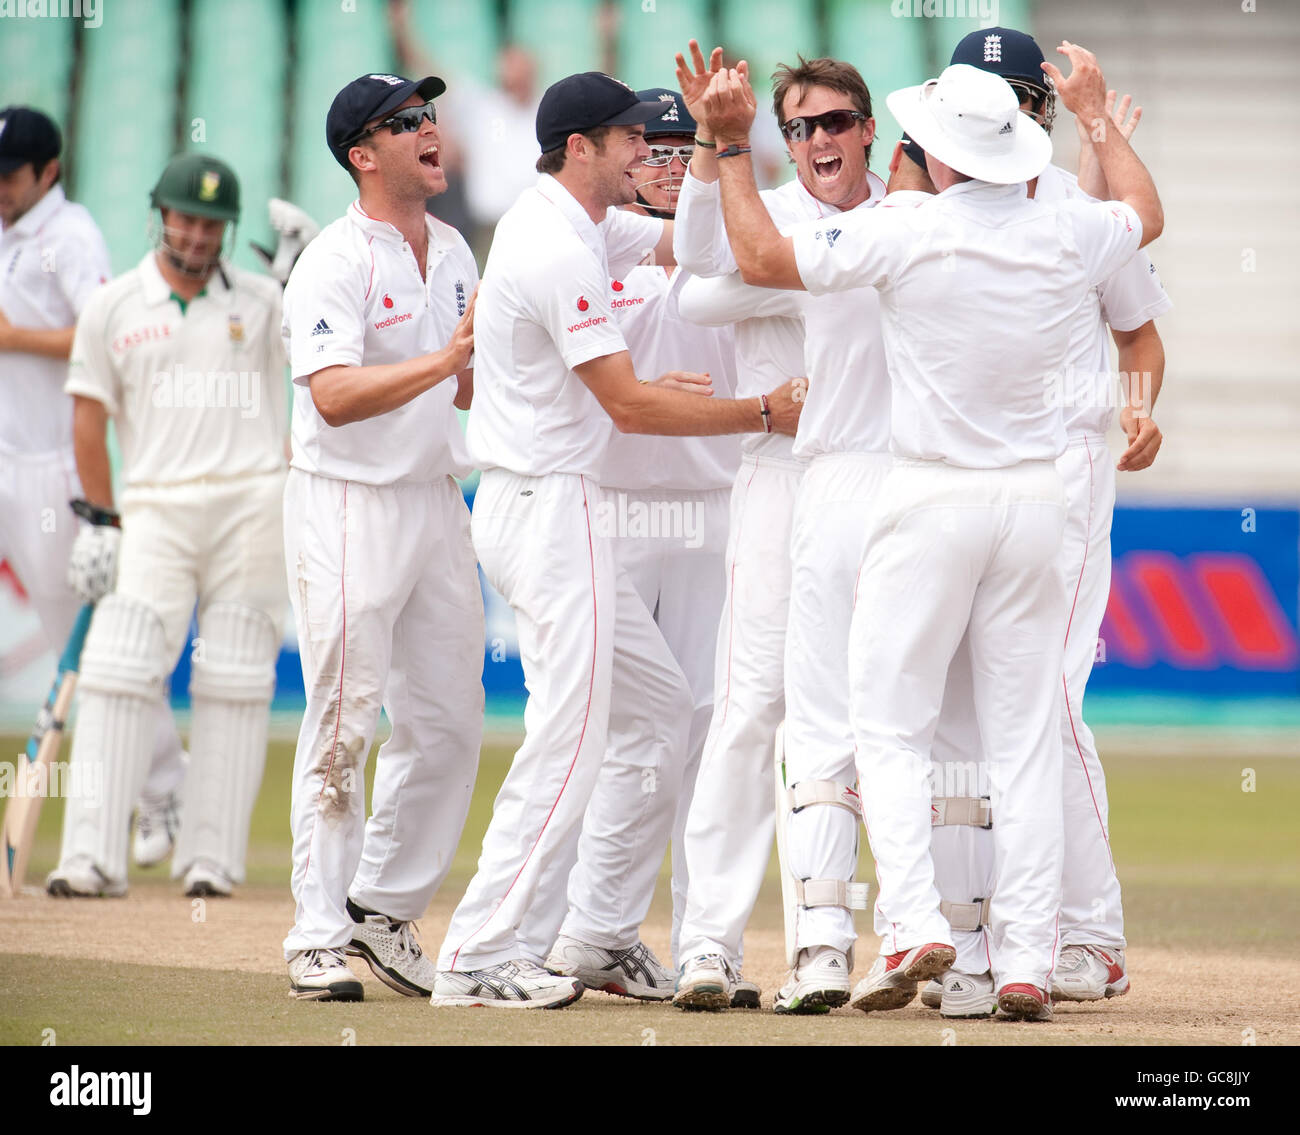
(509, 985)
(634, 972)
(1024, 1002)
(705, 983)
(745, 994)
(967, 995)
(79, 878)
(932, 994)
(1089, 973)
(391, 951)
(322, 975)
(818, 983)
(205, 880)
(891, 981)
(156, 822)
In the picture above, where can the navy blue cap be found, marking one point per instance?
(676, 119)
(27, 135)
(367, 98)
(913, 151)
(585, 101)
(1005, 52)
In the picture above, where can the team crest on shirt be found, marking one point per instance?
(236, 327)
(461, 302)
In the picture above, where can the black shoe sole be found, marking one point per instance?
(393, 980)
(340, 991)
(746, 999)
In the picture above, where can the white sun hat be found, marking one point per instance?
(970, 120)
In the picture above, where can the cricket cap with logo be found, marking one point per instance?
(970, 120)
(1005, 52)
(585, 101)
(27, 135)
(675, 119)
(367, 98)
(199, 185)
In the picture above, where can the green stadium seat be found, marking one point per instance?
(462, 37)
(334, 46)
(234, 103)
(888, 50)
(563, 35)
(769, 32)
(126, 120)
(648, 38)
(36, 62)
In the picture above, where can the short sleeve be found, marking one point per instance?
(629, 238)
(1134, 295)
(81, 264)
(859, 249)
(90, 366)
(1106, 233)
(324, 312)
(568, 298)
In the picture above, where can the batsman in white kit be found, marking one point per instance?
(968, 528)
(183, 352)
(554, 379)
(379, 330)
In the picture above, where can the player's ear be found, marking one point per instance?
(362, 159)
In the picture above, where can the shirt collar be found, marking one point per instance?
(592, 235)
(905, 198)
(1052, 185)
(875, 194)
(156, 290)
(382, 230)
(986, 190)
(30, 223)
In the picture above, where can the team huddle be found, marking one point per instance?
(871, 594)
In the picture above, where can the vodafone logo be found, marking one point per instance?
(392, 319)
(594, 321)
(617, 285)
(388, 300)
(582, 305)
(627, 301)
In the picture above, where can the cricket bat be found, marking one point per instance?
(32, 772)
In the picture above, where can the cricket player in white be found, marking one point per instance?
(969, 525)
(379, 329)
(54, 257)
(665, 509)
(554, 380)
(183, 352)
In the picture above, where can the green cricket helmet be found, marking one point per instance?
(198, 185)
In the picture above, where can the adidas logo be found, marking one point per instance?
(322, 328)
(830, 236)
(1006, 129)
(834, 963)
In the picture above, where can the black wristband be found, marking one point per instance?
(707, 145)
(96, 515)
(732, 151)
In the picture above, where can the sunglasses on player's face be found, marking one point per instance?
(663, 155)
(833, 122)
(404, 121)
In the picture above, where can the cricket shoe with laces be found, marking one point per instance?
(205, 880)
(156, 822)
(967, 995)
(1089, 973)
(633, 972)
(891, 982)
(391, 951)
(1024, 1002)
(79, 878)
(508, 985)
(705, 983)
(322, 975)
(818, 983)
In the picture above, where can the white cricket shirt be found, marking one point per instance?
(956, 277)
(1125, 301)
(50, 263)
(195, 390)
(645, 303)
(356, 299)
(544, 308)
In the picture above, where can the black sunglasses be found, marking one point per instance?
(833, 122)
(404, 121)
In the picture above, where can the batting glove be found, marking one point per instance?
(92, 569)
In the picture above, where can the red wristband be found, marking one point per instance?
(766, 412)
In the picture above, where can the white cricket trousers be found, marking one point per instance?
(678, 572)
(1091, 909)
(729, 827)
(389, 612)
(831, 522)
(585, 639)
(37, 531)
(953, 549)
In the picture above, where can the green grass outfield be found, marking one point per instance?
(1205, 865)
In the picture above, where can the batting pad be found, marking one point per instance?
(232, 681)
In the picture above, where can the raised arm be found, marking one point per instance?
(1084, 94)
(1091, 179)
